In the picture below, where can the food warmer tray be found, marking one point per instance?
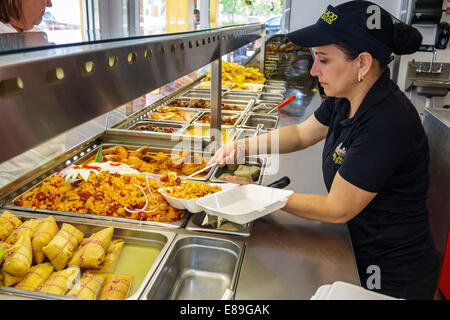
(268, 122)
(276, 83)
(154, 150)
(185, 135)
(238, 114)
(264, 107)
(137, 241)
(197, 268)
(176, 125)
(194, 111)
(243, 105)
(245, 133)
(77, 155)
(257, 161)
(142, 115)
(194, 94)
(195, 224)
(237, 95)
(269, 97)
(274, 90)
(252, 88)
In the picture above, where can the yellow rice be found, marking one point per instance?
(104, 194)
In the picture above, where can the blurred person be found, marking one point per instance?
(196, 18)
(22, 15)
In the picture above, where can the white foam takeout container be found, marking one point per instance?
(191, 205)
(245, 203)
(341, 290)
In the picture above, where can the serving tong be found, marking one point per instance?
(277, 107)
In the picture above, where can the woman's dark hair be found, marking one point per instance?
(10, 9)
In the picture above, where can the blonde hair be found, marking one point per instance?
(10, 9)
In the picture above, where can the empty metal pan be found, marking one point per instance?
(197, 268)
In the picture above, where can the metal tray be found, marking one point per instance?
(194, 111)
(197, 267)
(277, 83)
(252, 88)
(263, 107)
(236, 95)
(267, 97)
(227, 227)
(137, 242)
(242, 105)
(86, 156)
(268, 122)
(238, 114)
(274, 90)
(197, 95)
(249, 161)
(231, 129)
(197, 86)
(154, 150)
(245, 133)
(163, 124)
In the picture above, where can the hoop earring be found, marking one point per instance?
(360, 78)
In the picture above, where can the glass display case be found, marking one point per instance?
(47, 91)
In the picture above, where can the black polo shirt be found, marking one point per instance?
(383, 148)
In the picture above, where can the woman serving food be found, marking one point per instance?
(375, 158)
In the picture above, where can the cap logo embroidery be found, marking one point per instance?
(329, 17)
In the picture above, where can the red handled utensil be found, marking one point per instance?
(283, 103)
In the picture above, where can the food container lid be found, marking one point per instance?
(341, 290)
(245, 203)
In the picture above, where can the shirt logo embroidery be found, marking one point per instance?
(329, 16)
(339, 154)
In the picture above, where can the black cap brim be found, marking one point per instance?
(313, 36)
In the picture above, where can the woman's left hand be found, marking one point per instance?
(238, 180)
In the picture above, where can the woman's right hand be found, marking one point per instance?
(230, 153)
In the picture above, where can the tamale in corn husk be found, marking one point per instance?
(28, 228)
(61, 248)
(88, 287)
(9, 280)
(61, 281)
(44, 234)
(8, 222)
(93, 251)
(116, 287)
(36, 277)
(6, 247)
(112, 255)
(19, 258)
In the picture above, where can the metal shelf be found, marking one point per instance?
(44, 93)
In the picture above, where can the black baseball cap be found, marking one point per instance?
(350, 23)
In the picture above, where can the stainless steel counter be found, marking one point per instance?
(437, 126)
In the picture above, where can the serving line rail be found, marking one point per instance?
(35, 84)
